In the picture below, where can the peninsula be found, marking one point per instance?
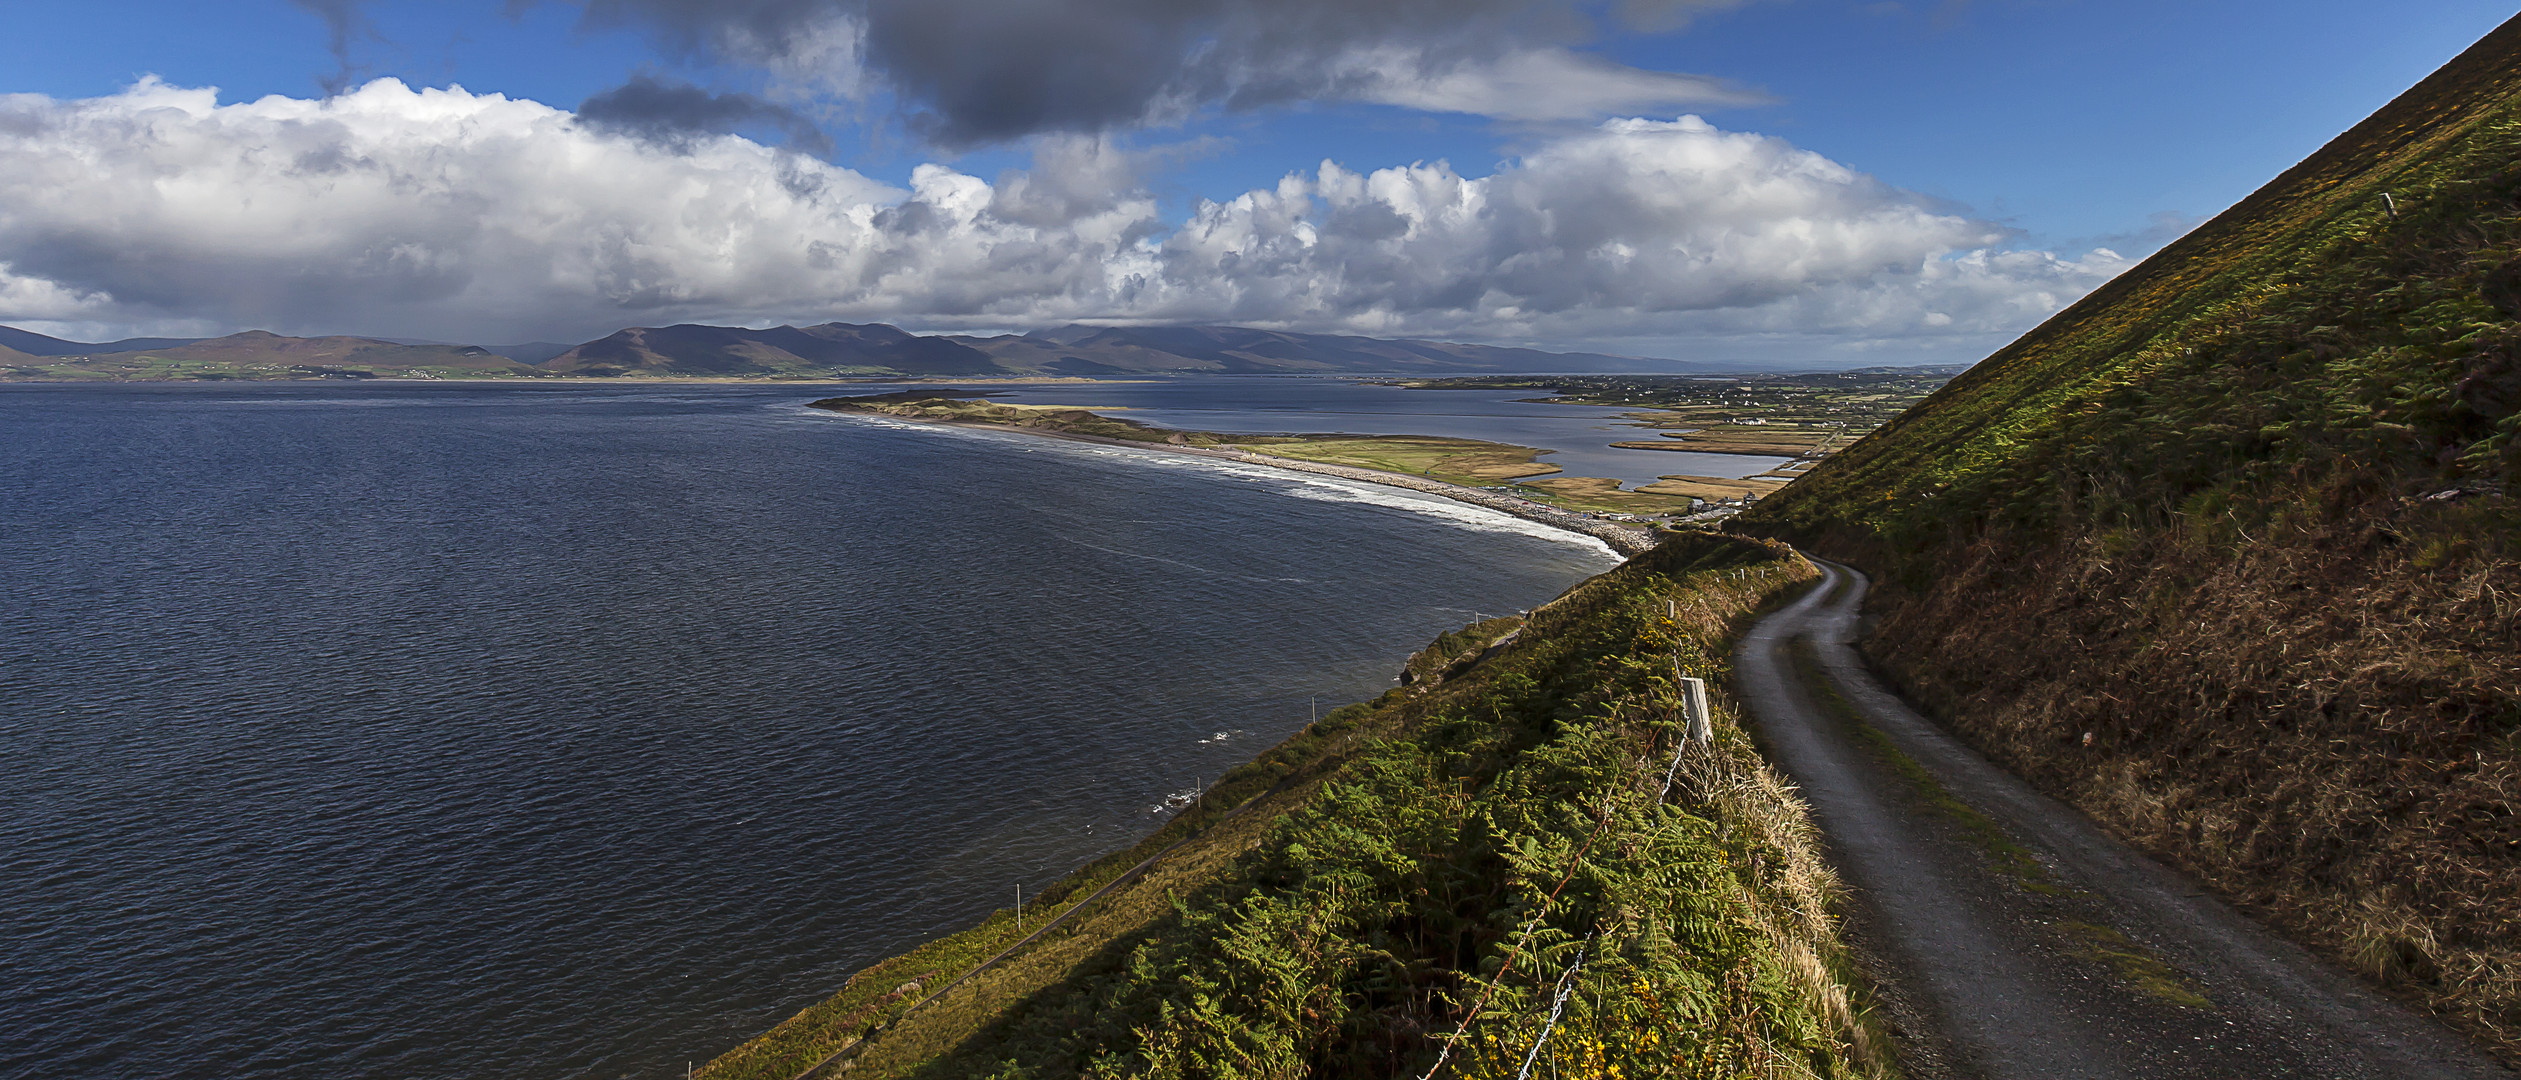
(1465, 470)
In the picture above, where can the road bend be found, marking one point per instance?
(2029, 943)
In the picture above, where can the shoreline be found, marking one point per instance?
(1623, 541)
(595, 380)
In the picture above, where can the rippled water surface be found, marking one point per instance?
(449, 731)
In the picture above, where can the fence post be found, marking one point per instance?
(1702, 729)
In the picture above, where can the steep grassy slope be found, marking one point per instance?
(1443, 860)
(2223, 552)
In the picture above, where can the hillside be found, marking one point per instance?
(257, 354)
(1233, 350)
(2224, 553)
(876, 349)
(1439, 861)
(29, 343)
(825, 350)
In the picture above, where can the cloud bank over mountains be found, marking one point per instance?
(445, 214)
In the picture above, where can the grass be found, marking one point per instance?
(1599, 495)
(2226, 553)
(1713, 488)
(1431, 863)
(2134, 963)
(929, 405)
(1811, 413)
(1469, 462)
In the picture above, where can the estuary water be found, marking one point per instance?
(531, 731)
(1578, 437)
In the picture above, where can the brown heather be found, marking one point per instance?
(2316, 724)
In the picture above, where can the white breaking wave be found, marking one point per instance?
(1302, 485)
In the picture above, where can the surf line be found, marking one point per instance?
(1620, 539)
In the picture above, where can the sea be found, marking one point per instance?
(466, 730)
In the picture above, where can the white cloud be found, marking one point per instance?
(457, 216)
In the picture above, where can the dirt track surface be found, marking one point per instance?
(2018, 939)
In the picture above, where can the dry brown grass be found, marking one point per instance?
(1714, 487)
(1455, 461)
(2320, 724)
(1755, 441)
(1600, 494)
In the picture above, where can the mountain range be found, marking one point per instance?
(828, 350)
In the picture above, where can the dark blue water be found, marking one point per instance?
(1578, 436)
(448, 731)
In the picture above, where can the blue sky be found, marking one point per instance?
(2064, 125)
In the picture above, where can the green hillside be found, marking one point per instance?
(2224, 554)
(1438, 862)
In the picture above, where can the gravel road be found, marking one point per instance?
(2016, 938)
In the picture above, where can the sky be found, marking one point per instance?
(1825, 182)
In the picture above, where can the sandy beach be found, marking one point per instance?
(1623, 539)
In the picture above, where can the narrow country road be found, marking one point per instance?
(2028, 943)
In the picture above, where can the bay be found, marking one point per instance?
(486, 731)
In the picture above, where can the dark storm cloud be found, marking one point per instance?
(971, 71)
(344, 21)
(670, 112)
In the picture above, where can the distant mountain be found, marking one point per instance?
(829, 349)
(356, 353)
(259, 354)
(826, 351)
(531, 352)
(34, 344)
(1226, 350)
(879, 349)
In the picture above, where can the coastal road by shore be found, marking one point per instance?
(2021, 940)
